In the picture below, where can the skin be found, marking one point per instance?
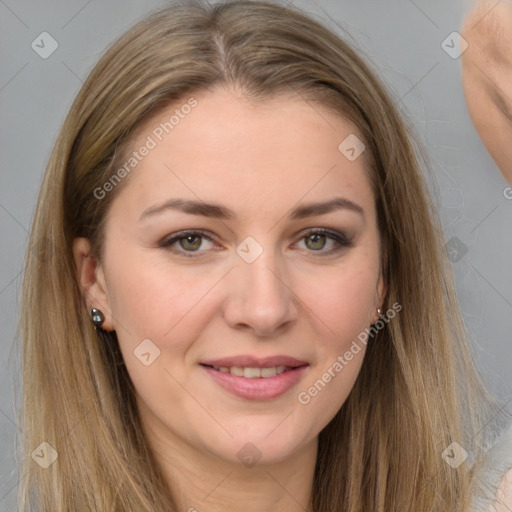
(487, 82)
(503, 502)
(487, 77)
(260, 161)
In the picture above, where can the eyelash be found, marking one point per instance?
(339, 238)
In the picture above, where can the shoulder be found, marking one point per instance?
(493, 481)
(503, 500)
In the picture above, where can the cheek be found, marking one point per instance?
(166, 305)
(341, 303)
(343, 298)
(153, 296)
(344, 303)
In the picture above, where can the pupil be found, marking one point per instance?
(189, 239)
(316, 238)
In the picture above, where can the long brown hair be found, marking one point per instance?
(417, 391)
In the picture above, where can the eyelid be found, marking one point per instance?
(332, 233)
(339, 237)
(168, 241)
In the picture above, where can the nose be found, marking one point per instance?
(260, 299)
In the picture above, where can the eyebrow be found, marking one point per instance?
(221, 212)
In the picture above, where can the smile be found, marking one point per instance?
(253, 372)
(254, 383)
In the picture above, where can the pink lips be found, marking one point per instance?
(254, 362)
(258, 388)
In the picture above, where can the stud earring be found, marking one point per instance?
(97, 317)
(379, 311)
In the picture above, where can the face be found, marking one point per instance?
(487, 78)
(257, 282)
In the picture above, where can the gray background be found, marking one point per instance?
(402, 39)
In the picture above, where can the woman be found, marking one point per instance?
(249, 305)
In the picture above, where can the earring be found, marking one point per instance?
(379, 311)
(97, 317)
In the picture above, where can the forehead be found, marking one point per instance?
(217, 144)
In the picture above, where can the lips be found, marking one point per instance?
(254, 378)
(247, 361)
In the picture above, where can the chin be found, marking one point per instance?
(267, 441)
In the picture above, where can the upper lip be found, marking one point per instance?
(247, 361)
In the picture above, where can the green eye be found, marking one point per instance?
(315, 241)
(190, 242)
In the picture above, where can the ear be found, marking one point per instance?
(92, 281)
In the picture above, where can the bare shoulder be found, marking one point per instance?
(503, 501)
(492, 485)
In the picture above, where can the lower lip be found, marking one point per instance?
(259, 388)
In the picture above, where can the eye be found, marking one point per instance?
(188, 241)
(316, 240)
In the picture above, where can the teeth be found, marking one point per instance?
(268, 372)
(236, 370)
(252, 373)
